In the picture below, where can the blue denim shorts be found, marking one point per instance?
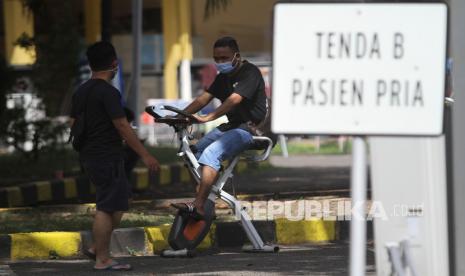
(218, 146)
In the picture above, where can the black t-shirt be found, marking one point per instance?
(247, 82)
(103, 141)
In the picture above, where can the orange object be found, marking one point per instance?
(193, 228)
(146, 119)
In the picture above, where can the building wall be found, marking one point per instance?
(250, 22)
(122, 16)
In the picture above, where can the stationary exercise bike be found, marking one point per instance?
(186, 232)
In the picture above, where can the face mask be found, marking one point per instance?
(225, 67)
(114, 72)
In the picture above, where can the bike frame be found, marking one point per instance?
(217, 189)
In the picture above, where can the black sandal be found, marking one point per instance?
(189, 209)
(90, 254)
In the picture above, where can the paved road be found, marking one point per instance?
(293, 180)
(329, 259)
(304, 174)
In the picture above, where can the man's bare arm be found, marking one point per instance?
(125, 130)
(233, 100)
(199, 103)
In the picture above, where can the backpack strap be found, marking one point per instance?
(84, 112)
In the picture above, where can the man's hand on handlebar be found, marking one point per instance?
(200, 119)
(192, 119)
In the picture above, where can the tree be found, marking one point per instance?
(58, 45)
(213, 6)
(16, 130)
(6, 82)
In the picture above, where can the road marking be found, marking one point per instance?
(32, 261)
(5, 270)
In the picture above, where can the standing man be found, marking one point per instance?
(102, 153)
(241, 89)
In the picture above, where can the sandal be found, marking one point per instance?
(90, 254)
(190, 209)
(115, 266)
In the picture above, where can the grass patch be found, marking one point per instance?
(165, 155)
(36, 221)
(15, 169)
(307, 146)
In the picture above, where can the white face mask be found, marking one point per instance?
(113, 71)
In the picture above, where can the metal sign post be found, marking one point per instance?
(358, 188)
(136, 56)
(457, 185)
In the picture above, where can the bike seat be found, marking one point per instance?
(259, 143)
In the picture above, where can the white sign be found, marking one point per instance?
(359, 68)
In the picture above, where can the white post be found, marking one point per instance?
(341, 139)
(317, 143)
(283, 144)
(358, 222)
(186, 85)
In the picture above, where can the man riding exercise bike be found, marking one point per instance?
(241, 89)
(188, 230)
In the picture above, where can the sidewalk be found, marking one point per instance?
(292, 224)
(312, 161)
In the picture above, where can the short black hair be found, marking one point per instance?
(101, 55)
(227, 41)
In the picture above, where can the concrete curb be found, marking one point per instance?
(80, 186)
(152, 240)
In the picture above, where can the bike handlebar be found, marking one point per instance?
(188, 118)
(180, 112)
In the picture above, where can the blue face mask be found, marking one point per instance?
(225, 67)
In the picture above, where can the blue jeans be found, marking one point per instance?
(217, 146)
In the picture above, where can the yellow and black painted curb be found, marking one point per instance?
(152, 240)
(80, 186)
